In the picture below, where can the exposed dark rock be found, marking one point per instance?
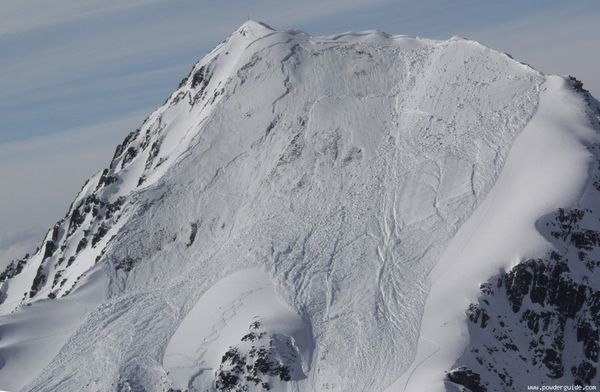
(100, 233)
(75, 221)
(127, 264)
(38, 281)
(475, 313)
(105, 179)
(114, 207)
(57, 277)
(553, 300)
(259, 361)
(553, 361)
(272, 125)
(182, 83)
(129, 155)
(193, 232)
(49, 249)
(13, 268)
(466, 378)
(128, 139)
(154, 151)
(200, 80)
(198, 77)
(82, 244)
(517, 283)
(584, 373)
(577, 85)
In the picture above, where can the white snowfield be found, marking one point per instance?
(547, 168)
(312, 183)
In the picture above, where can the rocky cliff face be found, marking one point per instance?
(260, 361)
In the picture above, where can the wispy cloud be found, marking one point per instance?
(27, 15)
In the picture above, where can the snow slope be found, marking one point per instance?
(548, 168)
(307, 183)
(33, 336)
(221, 317)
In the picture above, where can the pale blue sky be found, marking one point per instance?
(77, 75)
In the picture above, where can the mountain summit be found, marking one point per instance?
(356, 212)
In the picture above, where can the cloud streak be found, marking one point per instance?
(28, 15)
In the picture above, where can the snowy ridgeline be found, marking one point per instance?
(273, 225)
(511, 303)
(539, 322)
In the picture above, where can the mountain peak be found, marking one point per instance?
(275, 223)
(254, 29)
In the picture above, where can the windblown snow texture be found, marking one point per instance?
(539, 322)
(340, 166)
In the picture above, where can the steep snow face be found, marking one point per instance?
(34, 335)
(516, 290)
(538, 322)
(341, 166)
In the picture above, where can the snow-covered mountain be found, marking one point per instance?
(359, 212)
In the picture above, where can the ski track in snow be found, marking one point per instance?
(228, 314)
